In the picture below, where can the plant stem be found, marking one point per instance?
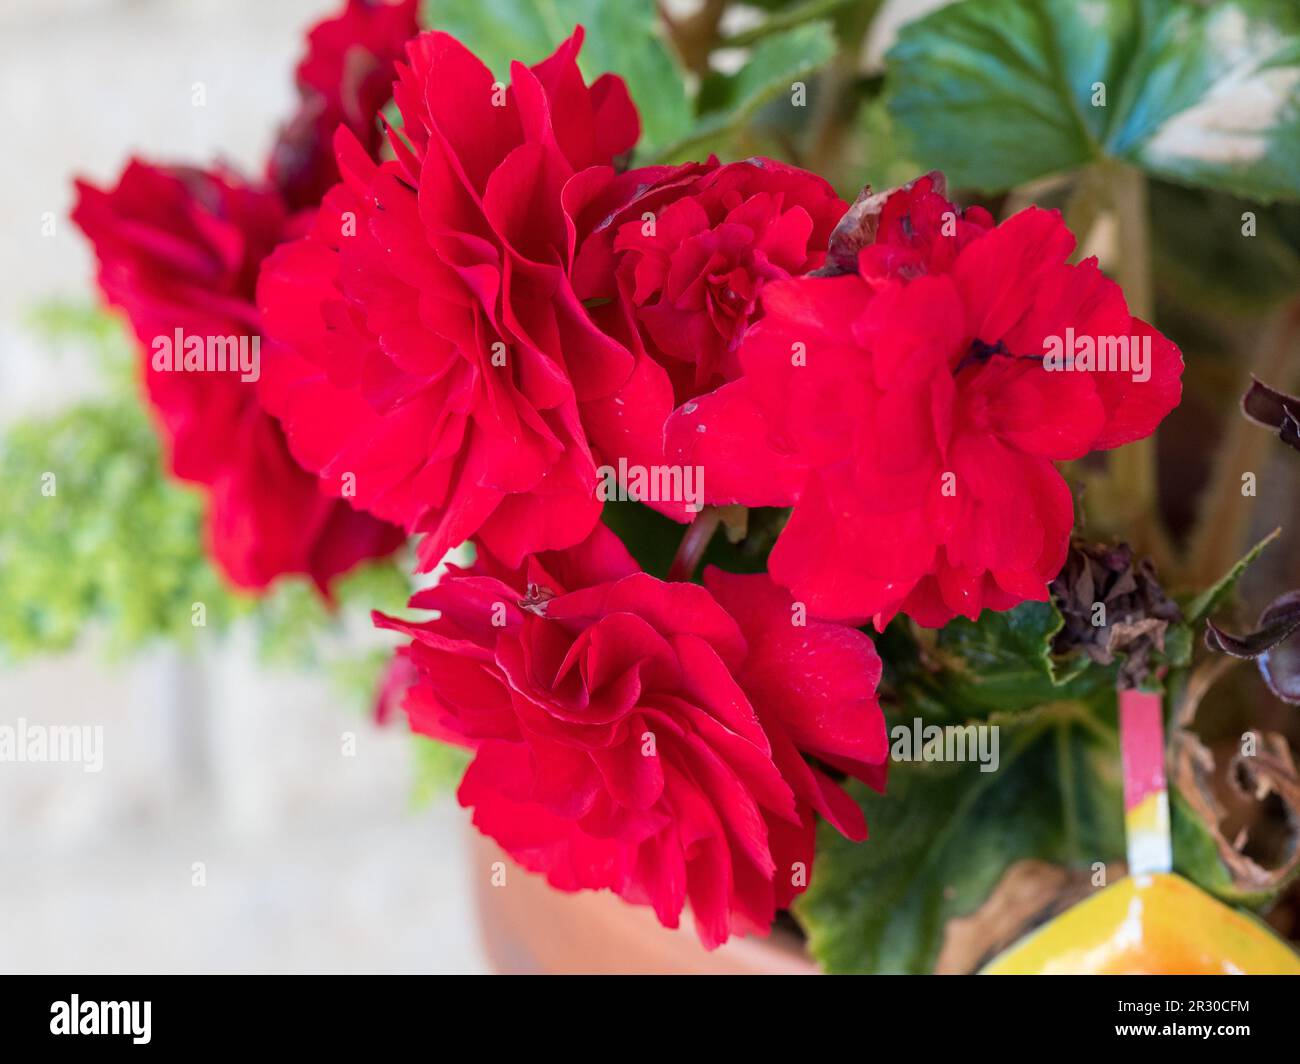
(1086, 202)
(1133, 466)
(694, 543)
(831, 119)
(696, 36)
(1129, 191)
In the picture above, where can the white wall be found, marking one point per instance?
(314, 861)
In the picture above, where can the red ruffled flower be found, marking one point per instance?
(644, 737)
(179, 250)
(672, 262)
(677, 269)
(428, 340)
(909, 412)
(345, 79)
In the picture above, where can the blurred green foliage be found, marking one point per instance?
(91, 531)
(94, 535)
(117, 549)
(438, 768)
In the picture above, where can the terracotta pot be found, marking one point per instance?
(528, 928)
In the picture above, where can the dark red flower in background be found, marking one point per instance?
(345, 79)
(644, 737)
(908, 410)
(179, 249)
(427, 338)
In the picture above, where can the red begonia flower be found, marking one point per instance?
(679, 257)
(179, 249)
(909, 412)
(644, 737)
(672, 262)
(428, 342)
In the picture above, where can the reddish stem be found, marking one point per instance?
(694, 544)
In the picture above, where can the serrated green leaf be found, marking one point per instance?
(772, 68)
(1000, 92)
(1002, 663)
(1178, 645)
(1204, 604)
(621, 38)
(779, 60)
(943, 835)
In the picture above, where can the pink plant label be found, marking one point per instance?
(1146, 797)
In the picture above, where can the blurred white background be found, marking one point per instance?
(314, 861)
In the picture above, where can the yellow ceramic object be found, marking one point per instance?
(1155, 924)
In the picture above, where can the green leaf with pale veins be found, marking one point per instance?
(1000, 92)
(1002, 663)
(944, 834)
